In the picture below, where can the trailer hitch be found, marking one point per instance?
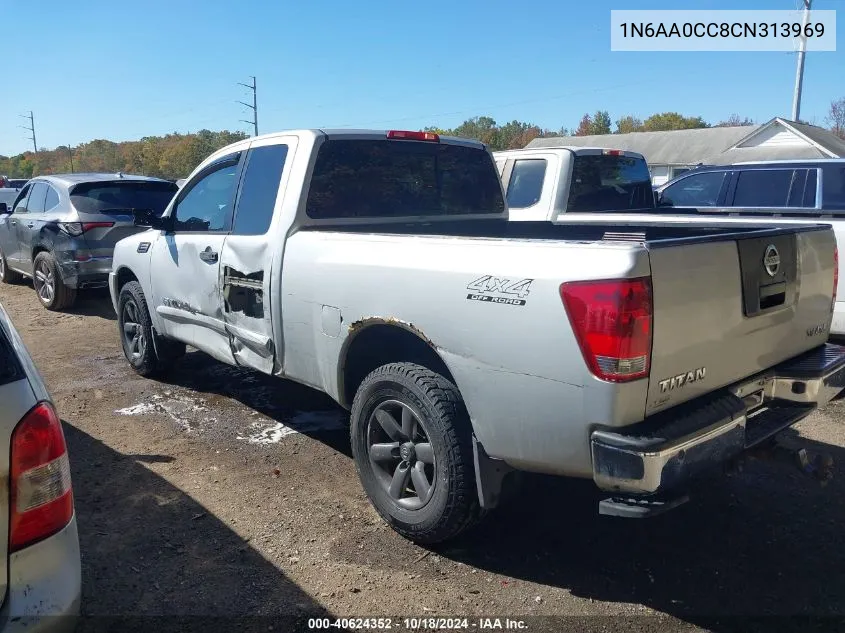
(819, 466)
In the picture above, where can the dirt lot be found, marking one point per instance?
(225, 493)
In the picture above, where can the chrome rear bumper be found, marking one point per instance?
(667, 449)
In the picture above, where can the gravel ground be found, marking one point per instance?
(226, 494)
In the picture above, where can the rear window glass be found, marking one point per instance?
(833, 187)
(609, 183)
(381, 179)
(122, 197)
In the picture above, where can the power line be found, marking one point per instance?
(31, 129)
(254, 105)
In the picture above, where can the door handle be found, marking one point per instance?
(208, 255)
(13, 222)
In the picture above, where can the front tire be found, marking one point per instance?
(49, 286)
(146, 353)
(7, 275)
(412, 445)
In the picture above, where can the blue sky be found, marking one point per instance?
(123, 70)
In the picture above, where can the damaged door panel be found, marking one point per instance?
(247, 257)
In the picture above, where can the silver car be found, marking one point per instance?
(61, 230)
(40, 570)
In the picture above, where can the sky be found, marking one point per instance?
(123, 69)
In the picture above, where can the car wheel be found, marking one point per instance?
(47, 280)
(147, 353)
(412, 445)
(7, 275)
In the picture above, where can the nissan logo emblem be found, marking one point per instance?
(771, 260)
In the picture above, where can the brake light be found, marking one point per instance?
(612, 321)
(835, 274)
(413, 136)
(612, 152)
(76, 229)
(41, 494)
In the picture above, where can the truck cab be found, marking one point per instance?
(543, 183)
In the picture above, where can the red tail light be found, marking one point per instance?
(78, 228)
(41, 495)
(612, 152)
(612, 320)
(413, 136)
(835, 274)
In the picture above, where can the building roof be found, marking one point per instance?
(676, 147)
(714, 145)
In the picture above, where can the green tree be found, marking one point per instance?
(628, 124)
(672, 121)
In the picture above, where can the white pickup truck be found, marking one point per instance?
(609, 185)
(380, 268)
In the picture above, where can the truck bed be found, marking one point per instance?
(655, 234)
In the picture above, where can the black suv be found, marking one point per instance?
(768, 188)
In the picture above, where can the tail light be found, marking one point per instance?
(835, 270)
(612, 152)
(413, 136)
(76, 229)
(612, 321)
(41, 494)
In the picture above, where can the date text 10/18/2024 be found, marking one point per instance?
(416, 624)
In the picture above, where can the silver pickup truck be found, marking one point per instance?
(381, 269)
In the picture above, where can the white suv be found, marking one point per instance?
(40, 571)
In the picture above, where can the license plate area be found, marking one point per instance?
(769, 270)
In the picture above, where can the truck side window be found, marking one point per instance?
(259, 186)
(207, 205)
(526, 183)
(833, 185)
(763, 188)
(698, 190)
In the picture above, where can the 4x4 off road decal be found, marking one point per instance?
(500, 290)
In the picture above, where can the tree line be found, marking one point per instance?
(171, 156)
(175, 155)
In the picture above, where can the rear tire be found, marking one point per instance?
(412, 445)
(8, 276)
(49, 286)
(147, 353)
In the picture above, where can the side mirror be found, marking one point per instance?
(148, 219)
(4, 209)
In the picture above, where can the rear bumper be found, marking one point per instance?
(666, 450)
(837, 325)
(92, 273)
(45, 585)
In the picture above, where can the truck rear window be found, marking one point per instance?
(122, 197)
(603, 182)
(381, 179)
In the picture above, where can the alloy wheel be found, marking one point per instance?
(401, 454)
(132, 331)
(45, 282)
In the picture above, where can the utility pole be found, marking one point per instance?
(799, 71)
(254, 105)
(30, 129)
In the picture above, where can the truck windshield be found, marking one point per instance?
(400, 178)
(602, 182)
(122, 197)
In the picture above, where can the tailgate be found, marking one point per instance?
(726, 309)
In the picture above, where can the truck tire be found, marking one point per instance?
(49, 286)
(7, 275)
(148, 354)
(411, 441)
